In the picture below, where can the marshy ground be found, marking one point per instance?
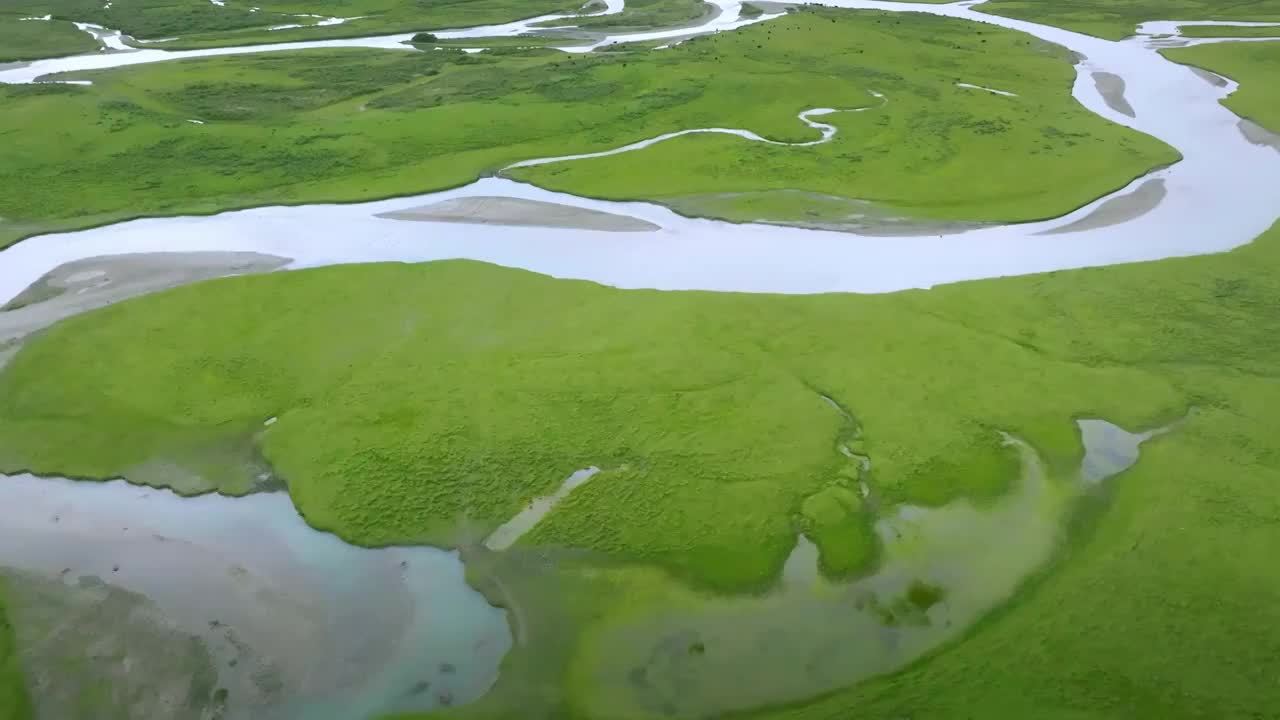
(805, 505)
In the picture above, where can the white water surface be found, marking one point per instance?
(1224, 193)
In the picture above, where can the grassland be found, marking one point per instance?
(1227, 31)
(1255, 65)
(356, 125)
(926, 127)
(13, 692)
(463, 389)
(1166, 580)
(200, 23)
(34, 39)
(1117, 19)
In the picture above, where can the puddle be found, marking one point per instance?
(941, 569)
(282, 622)
(512, 530)
(1110, 449)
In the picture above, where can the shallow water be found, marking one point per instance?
(1110, 449)
(295, 623)
(941, 569)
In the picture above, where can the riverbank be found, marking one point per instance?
(330, 137)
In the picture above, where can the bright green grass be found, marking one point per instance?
(1117, 19)
(356, 125)
(1255, 65)
(1232, 32)
(199, 23)
(13, 693)
(35, 39)
(431, 410)
(1166, 582)
(456, 384)
(934, 150)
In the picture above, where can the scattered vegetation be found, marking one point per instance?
(1118, 19)
(1255, 65)
(350, 125)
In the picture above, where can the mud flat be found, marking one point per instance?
(231, 608)
(482, 210)
(1111, 87)
(1259, 135)
(1212, 78)
(94, 282)
(1118, 209)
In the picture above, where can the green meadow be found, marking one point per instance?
(1118, 19)
(459, 390)
(13, 693)
(1231, 32)
(22, 40)
(348, 125)
(189, 24)
(1252, 64)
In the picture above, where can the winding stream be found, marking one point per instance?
(294, 594)
(1224, 192)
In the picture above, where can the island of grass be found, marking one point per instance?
(1118, 19)
(357, 125)
(1255, 65)
(1229, 31)
(32, 38)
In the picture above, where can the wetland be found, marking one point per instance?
(595, 392)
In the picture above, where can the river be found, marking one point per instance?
(1224, 192)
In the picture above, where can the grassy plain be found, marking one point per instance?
(1255, 65)
(34, 39)
(1164, 601)
(1227, 31)
(200, 23)
(1117, 19)
(462, 388)
(13, 692)
(356, 125)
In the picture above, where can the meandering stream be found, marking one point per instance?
(1224, 192)
(273, 580)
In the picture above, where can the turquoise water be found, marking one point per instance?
(295, 623)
